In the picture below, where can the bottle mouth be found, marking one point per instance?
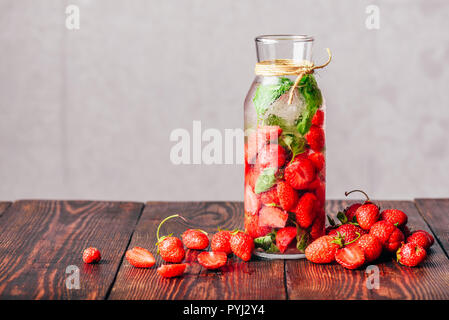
(269, 39)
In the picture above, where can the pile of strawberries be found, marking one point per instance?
(171, 249)
(365, 233)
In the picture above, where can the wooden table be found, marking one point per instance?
(39, 239)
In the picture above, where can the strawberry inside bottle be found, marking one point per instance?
(285, 185)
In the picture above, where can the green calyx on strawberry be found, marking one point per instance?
(170, 248)
(242, 245)
(411, 254)
(267, 242)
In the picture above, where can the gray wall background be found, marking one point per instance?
(87, 114)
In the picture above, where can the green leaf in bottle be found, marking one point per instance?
(266, 94)
(266, 180)
(308, 88)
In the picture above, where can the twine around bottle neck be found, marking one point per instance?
(288, 67)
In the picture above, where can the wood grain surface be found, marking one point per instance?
(436, 214)
(237, 280)
(3, 206)
(40, 239)
(428, 281)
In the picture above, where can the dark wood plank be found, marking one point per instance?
(436, 213)
(428, 281)
(40, 239)
(238, 280)
(3, 206)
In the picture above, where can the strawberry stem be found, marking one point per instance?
(347, 193)
(163, 221)
(358, 236)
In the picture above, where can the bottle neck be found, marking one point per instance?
(297, 48)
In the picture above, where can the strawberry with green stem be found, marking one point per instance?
(170, 248)
(367, 214)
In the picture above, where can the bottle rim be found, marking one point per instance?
(275, 38)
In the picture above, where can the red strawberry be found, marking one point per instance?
(305, 210)
(367, 215)
(287, 195)
(170, 248)
(251, 176)
(251, 203)
(322, 250)
(91, 255)
(171, 270)
(212, 260)
(318, 160)
(253, 228)
(269, 133)
(421, 238)
(394, 216)
(349, 232)
(140, 257)
(318, 118)
(371, 246)
(315, 138)
(389, 235)
(242, 245)
(270, 196)
(221, 242)
(195, 239)
(284, 237)
(351, 257)
(411, 254)
(317, 230)
(271, 155)
(351, 210)
(300, 173)
(272, 217)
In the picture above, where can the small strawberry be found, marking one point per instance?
(271, 155)
(371, 246)
(242, 245)
(348, 213)
(367, 215)
(421, 238)
(322, 250)
(171, 270)
(318, 160)
(253, 228)
(284, 237)
(170, 248)
(140, 257)
(287, 195)
(318, 118)
(270, 196)
(411, 254)
(349, 232)
(388, 234)
(272, 217)
(91, 255)
(259, 138)
(351, 257)
(251, 203)
(212, 260)
(300, 173)
(195, 239)
(315, 138)
(394, 216)
(305, 210)
(221, 242)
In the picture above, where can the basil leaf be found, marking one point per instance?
(267, 94)
(265, 242)
(308, 88)
(294, 142)
(266, 180)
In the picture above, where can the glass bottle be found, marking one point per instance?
(284, 194)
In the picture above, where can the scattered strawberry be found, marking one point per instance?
(315, 138)
(195, 239)
(300, 173)
(140, 257)
(91, 255)
(287, 195)
(212, 260)
(349, 232)
(411, 254)
(318, 160)
(271, 155)
(251, 203)
(270, 196)
(351, 210)
(170, 248)
(351, 257)
(253, 228)
(421, 238)
(389, 235)
(242, 245)
(171, 270)
(318, 118)
(272, 217)
(305, 210)
(322, 250)
(371, 246)
(221, 242)
(367, 215)
(284, 237)
(394, 216)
